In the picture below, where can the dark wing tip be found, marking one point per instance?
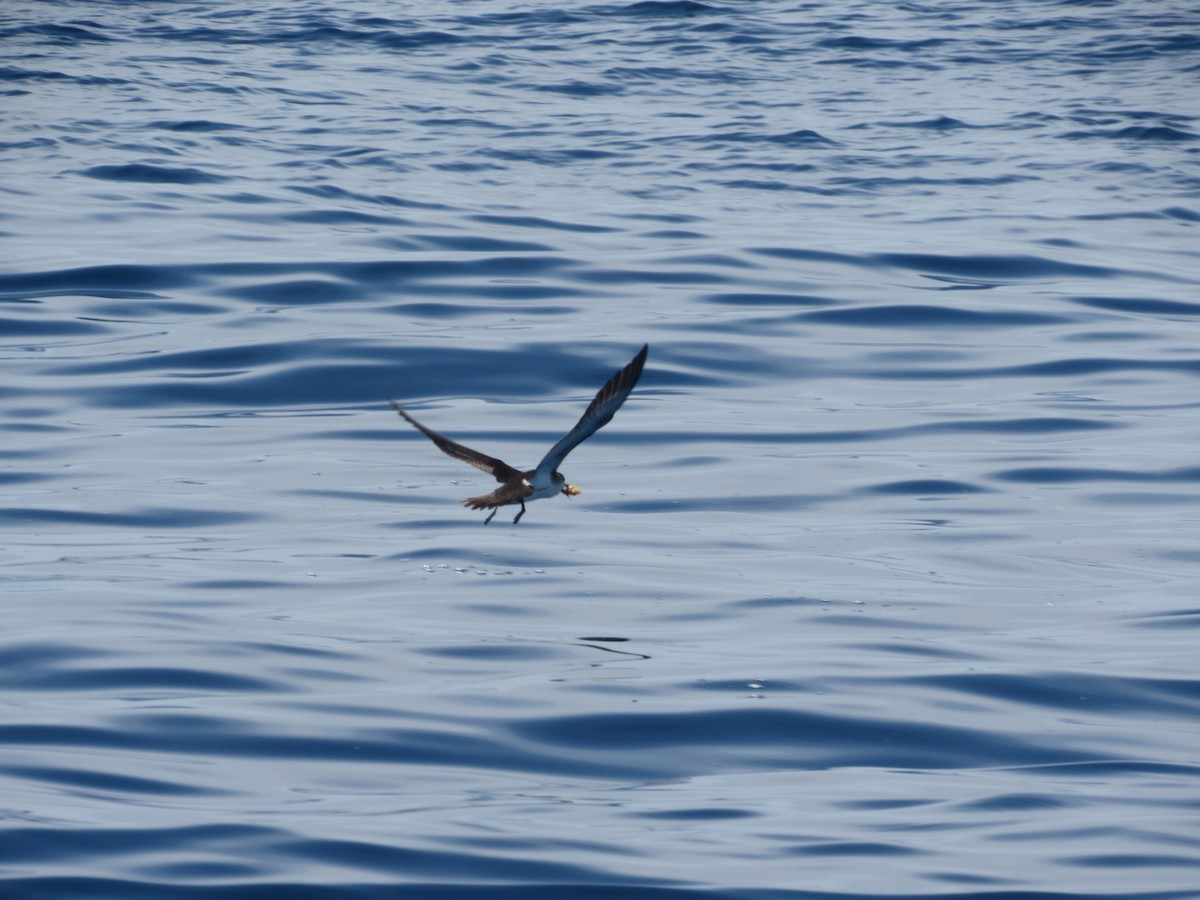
(625, 380)
(640, 359)
(411, 421)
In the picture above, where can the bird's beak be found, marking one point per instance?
(571, 490)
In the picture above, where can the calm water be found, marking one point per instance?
(883, 583)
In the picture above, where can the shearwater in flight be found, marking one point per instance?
(544, 481)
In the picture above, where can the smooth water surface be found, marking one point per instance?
(883, 583)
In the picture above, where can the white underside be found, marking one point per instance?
(541, 490)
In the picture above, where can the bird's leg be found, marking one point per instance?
(521, 513)
(492, 516)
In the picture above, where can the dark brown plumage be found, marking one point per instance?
(544, 481)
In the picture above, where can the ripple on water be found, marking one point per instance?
(888, 560)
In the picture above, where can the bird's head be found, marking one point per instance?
(571, 490)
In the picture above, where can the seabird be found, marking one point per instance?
(544, 481)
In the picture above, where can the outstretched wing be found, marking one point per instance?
(599, 412)
(500, 469)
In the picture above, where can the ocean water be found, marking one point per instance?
(882, 584)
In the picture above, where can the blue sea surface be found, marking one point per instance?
(883, 583)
